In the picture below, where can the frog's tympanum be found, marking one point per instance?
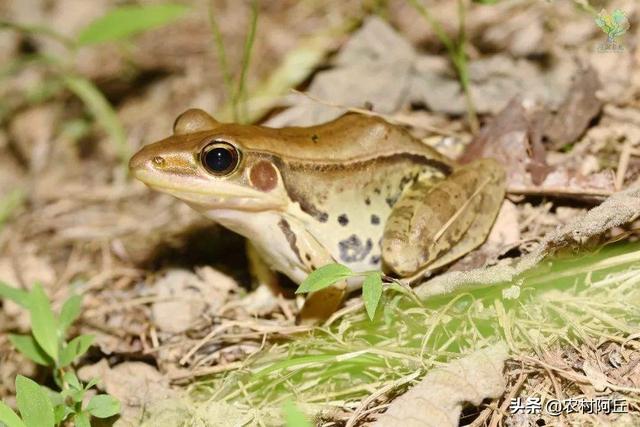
(357, 191)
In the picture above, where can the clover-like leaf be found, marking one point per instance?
(103, 406)
(371, 293)
(324, 277)
(10, 418)
(82, 419)
(74, 349)
(34, 404)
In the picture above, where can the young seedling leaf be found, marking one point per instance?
(10, 418)
(73, 381)
(28, 346)
(126, 21)
(293, 416)
(324, 277)
(92, 382)
(69, 313)
(34, 404)
(103, 406)
(74, 349)
(43, 323)
(61, 412)
(16, 295)
(371, 293)
(82, 419)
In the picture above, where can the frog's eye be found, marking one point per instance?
(220, 158)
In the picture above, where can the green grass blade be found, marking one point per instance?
(240, 97)
(126, 21)
(10, 203)
(38, 30)
(103, 112)
(221, 53)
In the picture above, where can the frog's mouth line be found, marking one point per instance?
(224, 196)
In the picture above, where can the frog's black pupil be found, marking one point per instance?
(219, 159)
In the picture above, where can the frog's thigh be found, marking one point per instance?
(432, 225)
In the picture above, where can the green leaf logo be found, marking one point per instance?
(613, 25)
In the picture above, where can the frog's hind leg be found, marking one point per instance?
(433, 225)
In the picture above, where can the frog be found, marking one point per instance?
(356, 190)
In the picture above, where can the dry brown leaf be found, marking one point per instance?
(598, 380)
(512, 138)
(577, 110)
(438, 399)
(134, 384)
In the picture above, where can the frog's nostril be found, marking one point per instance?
(158, 161)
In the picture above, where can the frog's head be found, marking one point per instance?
(211, 165)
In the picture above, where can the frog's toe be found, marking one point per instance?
(400, 259)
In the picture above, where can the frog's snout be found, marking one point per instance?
(137, 162)
(145, 161)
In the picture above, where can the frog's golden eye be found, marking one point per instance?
(220, 158)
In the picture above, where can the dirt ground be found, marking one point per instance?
(555, 105)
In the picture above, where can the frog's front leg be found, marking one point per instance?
(264, 298)
(432, 225)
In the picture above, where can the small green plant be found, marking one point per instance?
(329, 274)
(47, 345)
(121, 23)
(236, 91)
(456, 50)
(614, 25)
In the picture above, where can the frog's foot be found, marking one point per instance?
(264, 299)
(433, 225)
(320, 305)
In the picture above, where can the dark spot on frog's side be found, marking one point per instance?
(343, 220)
(375, 219)
(367, 201)
(375, 259)
(391, 201)
(315, 138)
(308, 257)
(352, 249)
